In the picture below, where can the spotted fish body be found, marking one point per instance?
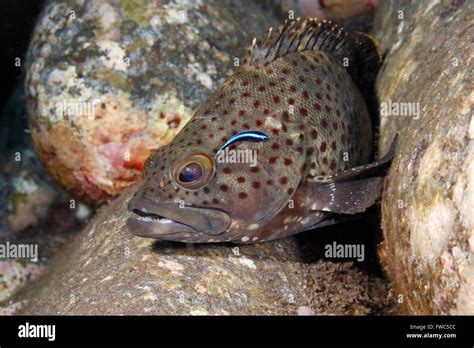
(293, 87)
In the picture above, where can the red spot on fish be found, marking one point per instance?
(233, 122)
(289, 142)
(224, 188)
(334, 125)
(328, 109)
(261, 89)
(333, 165)
(254, 169)
(318, 95)
(225, 112)
(240, 179)
(283, 180)
(226, 170)
(322, 148)
(256, 184)
(294, 62)
(256, 76)
(303, 112)
(333, 146)
(287, 161)
(232, 101)
(245, 83)
(305, 95)
(256, 103)
(272, 84)
(203, 126)
(269, 71)
(276, 99)
(266, 111)
(285, 71)
(242, 112)
(318, 81)
(246, 94)
(302, 79)
(272, 160)
(293, 88)
(291, 101)
(317, 107)
(258, 123)
(314, 133)
(325, 160)
(270, 182)
(243, 195)
(275, 146)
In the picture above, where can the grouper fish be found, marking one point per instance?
(282, 146)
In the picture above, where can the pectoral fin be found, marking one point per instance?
(354, 190)
(348, 197)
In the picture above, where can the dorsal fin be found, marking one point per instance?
(362, 54)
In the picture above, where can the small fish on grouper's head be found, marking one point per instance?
(296, 104)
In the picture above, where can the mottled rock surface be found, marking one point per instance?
(110, 81)
(106, 270)
(427, 207)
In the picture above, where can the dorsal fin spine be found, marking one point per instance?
(311, 34)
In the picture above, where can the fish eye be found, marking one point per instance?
(193, 172)
(190, 172)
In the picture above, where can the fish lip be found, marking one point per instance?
(186, 219)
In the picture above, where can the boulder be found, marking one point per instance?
(110, 81)
(426, 94)
(106, 270)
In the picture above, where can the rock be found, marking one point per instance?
(110, 81)
(13, 275)
(26, 192)
(106, 270)
(351, 14)
(427, 205)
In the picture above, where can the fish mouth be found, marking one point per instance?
(155, 220)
